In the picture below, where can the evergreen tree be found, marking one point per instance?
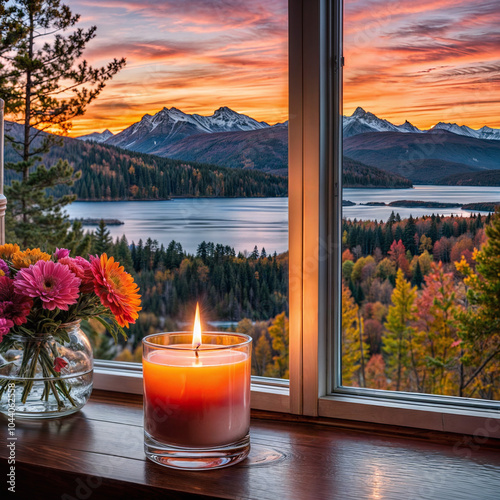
(35, 75)
(409, 235)
(102, 239)
(418, 277)
(480, 332)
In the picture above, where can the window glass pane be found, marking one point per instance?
(421, 145)
(184, 155)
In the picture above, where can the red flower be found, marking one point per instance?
(13, 306)
(59, 364)
(116, 289)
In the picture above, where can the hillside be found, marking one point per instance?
(110, 173)
(424, 158)
(356, 174)
(265, 149)
(488, 178)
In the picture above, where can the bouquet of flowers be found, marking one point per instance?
(41, 294)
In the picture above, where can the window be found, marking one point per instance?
(315, 387)
(408, 235)
(189, 230)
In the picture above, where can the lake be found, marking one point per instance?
(245, 222)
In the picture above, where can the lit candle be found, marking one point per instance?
(197, 394)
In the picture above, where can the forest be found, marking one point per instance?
(415, 311)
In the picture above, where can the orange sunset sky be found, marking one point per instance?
(425, 61)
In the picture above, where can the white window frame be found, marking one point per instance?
(315, 110)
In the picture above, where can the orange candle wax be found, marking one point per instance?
(197, 401)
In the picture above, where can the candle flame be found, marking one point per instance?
(197, 328)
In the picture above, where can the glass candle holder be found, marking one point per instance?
(197, 400)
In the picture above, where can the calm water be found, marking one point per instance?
(245, 222)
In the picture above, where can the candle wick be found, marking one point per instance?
(196, 350)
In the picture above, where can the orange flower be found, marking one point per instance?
(28, 257)
(116, 289)
(8, 250)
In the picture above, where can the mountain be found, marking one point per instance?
(97, 136)
(110, 173)
(483, 133)
(265, 149)
(361, 122)
(424, 158)
(154, 133)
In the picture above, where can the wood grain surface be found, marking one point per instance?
(98, 453)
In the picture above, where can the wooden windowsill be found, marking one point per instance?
(98, 453)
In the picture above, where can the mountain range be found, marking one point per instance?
(361, 122)
(168, 126)
(235, 140)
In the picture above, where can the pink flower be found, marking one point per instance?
(87, 285)
(13, 306)
(456, 343)
(59, 364)
(53, 283)
(73, 266)
(4, 268)
(5, 326)
(60, 253)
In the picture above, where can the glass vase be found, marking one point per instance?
(46, 376)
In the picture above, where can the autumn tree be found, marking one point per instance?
(280, 336)
(437, 336)
(354, 349)
(46, 84)
(398, 342)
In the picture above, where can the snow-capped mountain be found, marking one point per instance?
(362, 121)
(482, 133)
(97, 136)
(154, 133)
(408, 127)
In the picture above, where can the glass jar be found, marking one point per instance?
(45, 376)
(197, 399)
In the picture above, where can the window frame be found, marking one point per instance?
(315, 159)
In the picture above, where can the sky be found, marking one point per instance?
(195, 55)
(425, 61)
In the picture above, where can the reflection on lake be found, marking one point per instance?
(241, 223)
(245, 222)
(443, 194)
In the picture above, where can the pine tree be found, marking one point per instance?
(418, 277)
(35, 75)
(480, 332)
(102, 239)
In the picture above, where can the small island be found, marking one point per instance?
(348, 203)
(95, 222)
(423, 204)
(482, 206)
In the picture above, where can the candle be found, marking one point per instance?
(196, 394)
